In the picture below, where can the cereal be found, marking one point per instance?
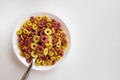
(33, 46)
(40, 24)
(48, 31)
(19, 32)
(32, 19)
(39, 49)
(38, 18)
(34, 27)
(42, 39)
(48, 24)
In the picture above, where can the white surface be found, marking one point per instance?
(95, 31)
(15, 40)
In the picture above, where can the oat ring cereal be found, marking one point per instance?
(42, 39)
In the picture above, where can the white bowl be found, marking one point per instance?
(15, 43)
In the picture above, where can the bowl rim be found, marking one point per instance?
(16, 50)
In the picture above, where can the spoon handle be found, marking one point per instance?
(26, 73)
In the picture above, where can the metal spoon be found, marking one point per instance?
(26, 73)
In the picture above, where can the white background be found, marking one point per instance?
(95, 31)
